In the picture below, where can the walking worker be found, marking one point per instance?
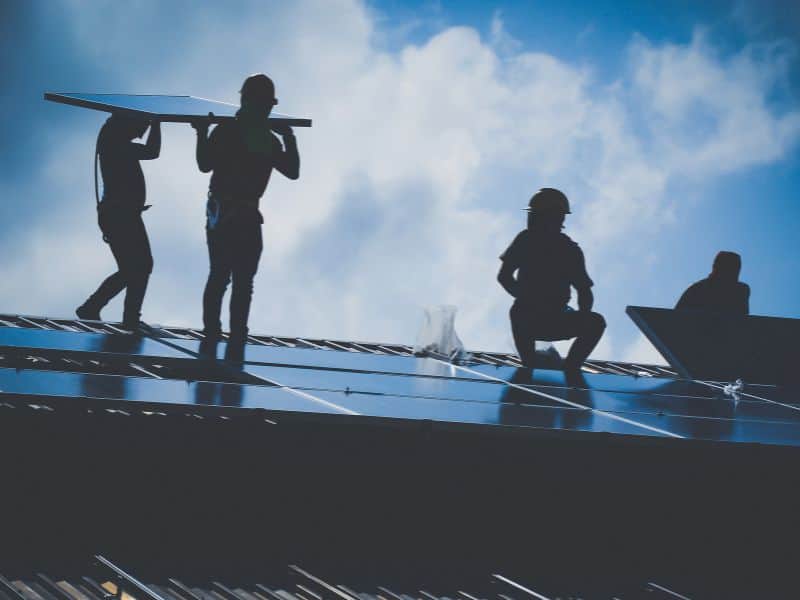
(721, 291)
(241, 154)
(119, 214)
(548, 264)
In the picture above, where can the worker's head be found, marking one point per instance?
(258, 92)
(547, 209)
(727, 266)
(127, 125)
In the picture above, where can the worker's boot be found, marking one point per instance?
(88, 312)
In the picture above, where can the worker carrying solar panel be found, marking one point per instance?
(721, 291)
(539, 269)
(241, 154)
(119, 213)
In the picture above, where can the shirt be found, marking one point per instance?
(548, 264)
(242, 166)
(123, 180)
(731, 297)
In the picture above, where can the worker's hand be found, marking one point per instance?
(201, 125)
(282, 129)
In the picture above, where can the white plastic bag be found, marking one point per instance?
(437, 335)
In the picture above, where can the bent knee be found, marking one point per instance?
(596, 321)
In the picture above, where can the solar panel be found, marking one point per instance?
(607, 382)
(15, 337)
(397, 385)
(167, 108)
(333, 359)
(785, 394)
(706, 345)
(562, 418)
(135, 389)
(688, 406)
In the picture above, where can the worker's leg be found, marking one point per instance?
(219, 275)
(588, 328)
(115, 282)
(524, 338)
(245, 264)
(136, 268)
(111, 286)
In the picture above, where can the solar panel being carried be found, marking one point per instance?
(166, 108)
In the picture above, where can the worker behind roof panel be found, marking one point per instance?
(548, 264)
(241, 155)
(119, 213)
(721, 291)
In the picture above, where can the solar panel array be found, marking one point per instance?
(52, 363)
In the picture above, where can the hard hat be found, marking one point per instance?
(258, 86)
(549, 200)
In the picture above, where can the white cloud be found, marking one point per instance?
(643, 352)
(414, 171)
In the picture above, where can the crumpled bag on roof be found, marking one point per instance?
(733, 389)
(437, 335)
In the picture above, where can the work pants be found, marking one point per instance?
(234, 250)
(530, 324)
(127, 237)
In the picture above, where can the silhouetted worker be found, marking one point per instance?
(119, 214)
(242, 154)
(547, 264)
(721, 291)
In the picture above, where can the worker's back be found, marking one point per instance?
(721, 291)
(716, 295)
(549, 263)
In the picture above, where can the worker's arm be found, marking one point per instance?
(203, 152)
(585, 298)
(288, 159)
(512, 259)
(152, 148)
(582, 282)
(506, 278)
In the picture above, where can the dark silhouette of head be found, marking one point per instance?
(127, 125)
(727, 266)
(547, 210)
(258, 92)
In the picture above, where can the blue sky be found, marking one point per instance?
(673, 127)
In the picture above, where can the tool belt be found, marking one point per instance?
(111, 215)
(223, 211)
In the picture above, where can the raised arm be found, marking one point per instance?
(153, 145)
(288, 160)
(203, 152)
(152, 148)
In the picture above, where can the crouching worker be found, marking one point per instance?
(119, 214)
(547, 264)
